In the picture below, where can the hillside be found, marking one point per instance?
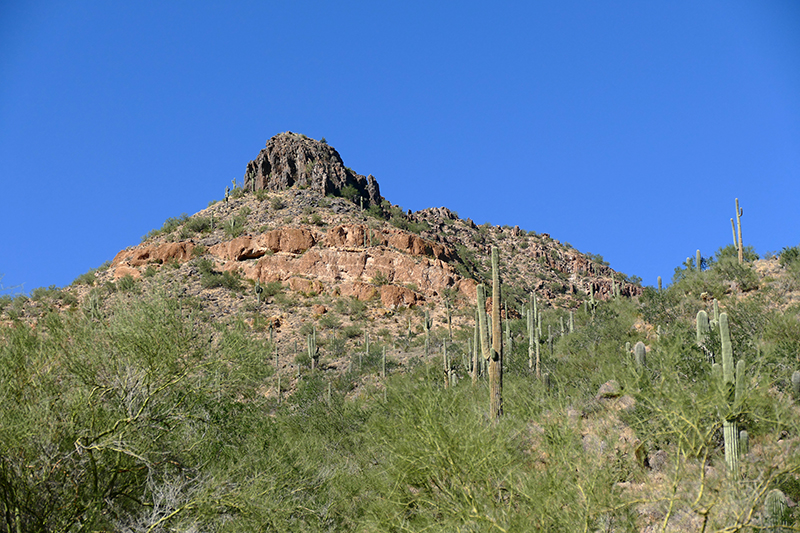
(299, 356)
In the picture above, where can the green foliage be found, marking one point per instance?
(87, 278)
(235, 226)
(276, 203)
(375, 211)
(210, 278)
(403, 223)
(379, 279)
(349, 192)
(789, 256)
(195, 225)
(126, 283)
(352, 331)
(170, 225)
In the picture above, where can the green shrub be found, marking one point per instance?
(87, 278)
(210, 278)
(197, 225)
(170, 225)
(379, 279)
(375, 211)
(126, 283)
(352, 331)
(789, 256)
(329, 321)
(349, 192)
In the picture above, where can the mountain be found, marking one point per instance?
(300, 355)
(307, 222)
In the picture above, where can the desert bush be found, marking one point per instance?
(210, 278)
(276, 203)
(170, 225)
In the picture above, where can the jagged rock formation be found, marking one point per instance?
(292, 159)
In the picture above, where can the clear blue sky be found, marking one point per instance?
(624, 128)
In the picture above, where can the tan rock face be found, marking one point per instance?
(356, 289)
(354, 235)
(179, 251)
(305, 285)
(289, 240)
(122, 271)
(393, 296)
(336, 265)
(238, 249)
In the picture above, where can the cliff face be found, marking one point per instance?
(291, 159)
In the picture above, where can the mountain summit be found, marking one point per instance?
(293, 159)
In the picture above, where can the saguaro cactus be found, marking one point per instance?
(483, 327)
(476, 340)
(313, 351)
(744, 442)
(640, 354)
(427, 324)
(446, 363)
(796, 383)
(531, 323)
(732, 385)
(739, 213)
(775, 511)
(496, 359)
(698, 262)
(703, 329)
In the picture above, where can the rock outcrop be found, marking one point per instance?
(291, 159)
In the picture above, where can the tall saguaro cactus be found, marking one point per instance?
(733, 390)
(475, 344)
(531, 323)
(702, 328)
(496, 359)
(739, 213)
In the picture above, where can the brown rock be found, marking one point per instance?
(179, 251)
(415, 245)
(122, 271)
(305, 285)
(239, 249)
(358, 290)
(393, 296)
(609, 389)
(319, 309)
(291, 240)
(347, 235)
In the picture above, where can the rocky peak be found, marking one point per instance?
(291, 159)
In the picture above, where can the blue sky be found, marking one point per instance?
(624, 128)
